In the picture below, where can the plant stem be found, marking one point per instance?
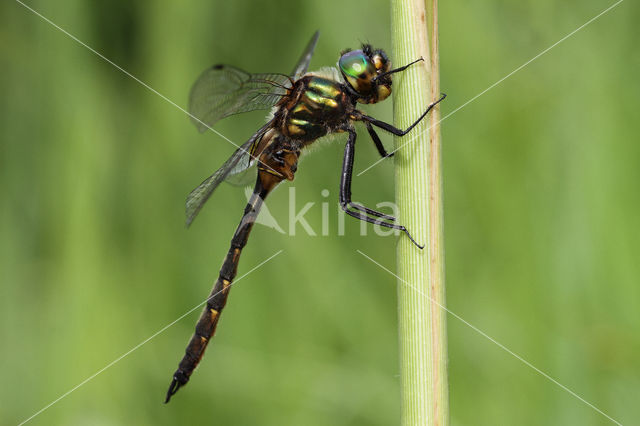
(421, 295)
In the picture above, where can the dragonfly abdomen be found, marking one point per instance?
(206, 326)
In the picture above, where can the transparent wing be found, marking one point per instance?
(243, 158)
(223, 90)
(305, 58)
(246, 177)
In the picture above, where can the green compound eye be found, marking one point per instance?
(354, 64)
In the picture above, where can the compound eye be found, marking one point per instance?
(354, 64)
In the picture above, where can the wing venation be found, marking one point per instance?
(242, 158)
(223, 90)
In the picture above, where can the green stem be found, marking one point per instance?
(421, 295)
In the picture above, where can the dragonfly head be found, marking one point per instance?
(365, 71)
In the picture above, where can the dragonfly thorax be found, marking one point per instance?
(314, 107)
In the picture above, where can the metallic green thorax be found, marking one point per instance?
(319, 102)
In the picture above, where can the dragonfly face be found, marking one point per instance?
(305, 106)
(365, 71)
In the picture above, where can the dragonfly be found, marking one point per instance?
(305, 106)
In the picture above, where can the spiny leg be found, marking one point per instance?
(345, 194)
(392, 129)
(371, 212)
(366, 218)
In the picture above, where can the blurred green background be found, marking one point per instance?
(541, 215)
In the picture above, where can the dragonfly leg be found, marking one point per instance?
(367, 210)
(393, 71)
(392, 129)
(376, 140)
(345, 183)
(361, 216)
(355, 210)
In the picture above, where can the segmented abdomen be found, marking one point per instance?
(206, 326)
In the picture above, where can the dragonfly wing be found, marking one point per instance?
(240, 160)
(305, 58)
(223, 90)
(245, 177)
